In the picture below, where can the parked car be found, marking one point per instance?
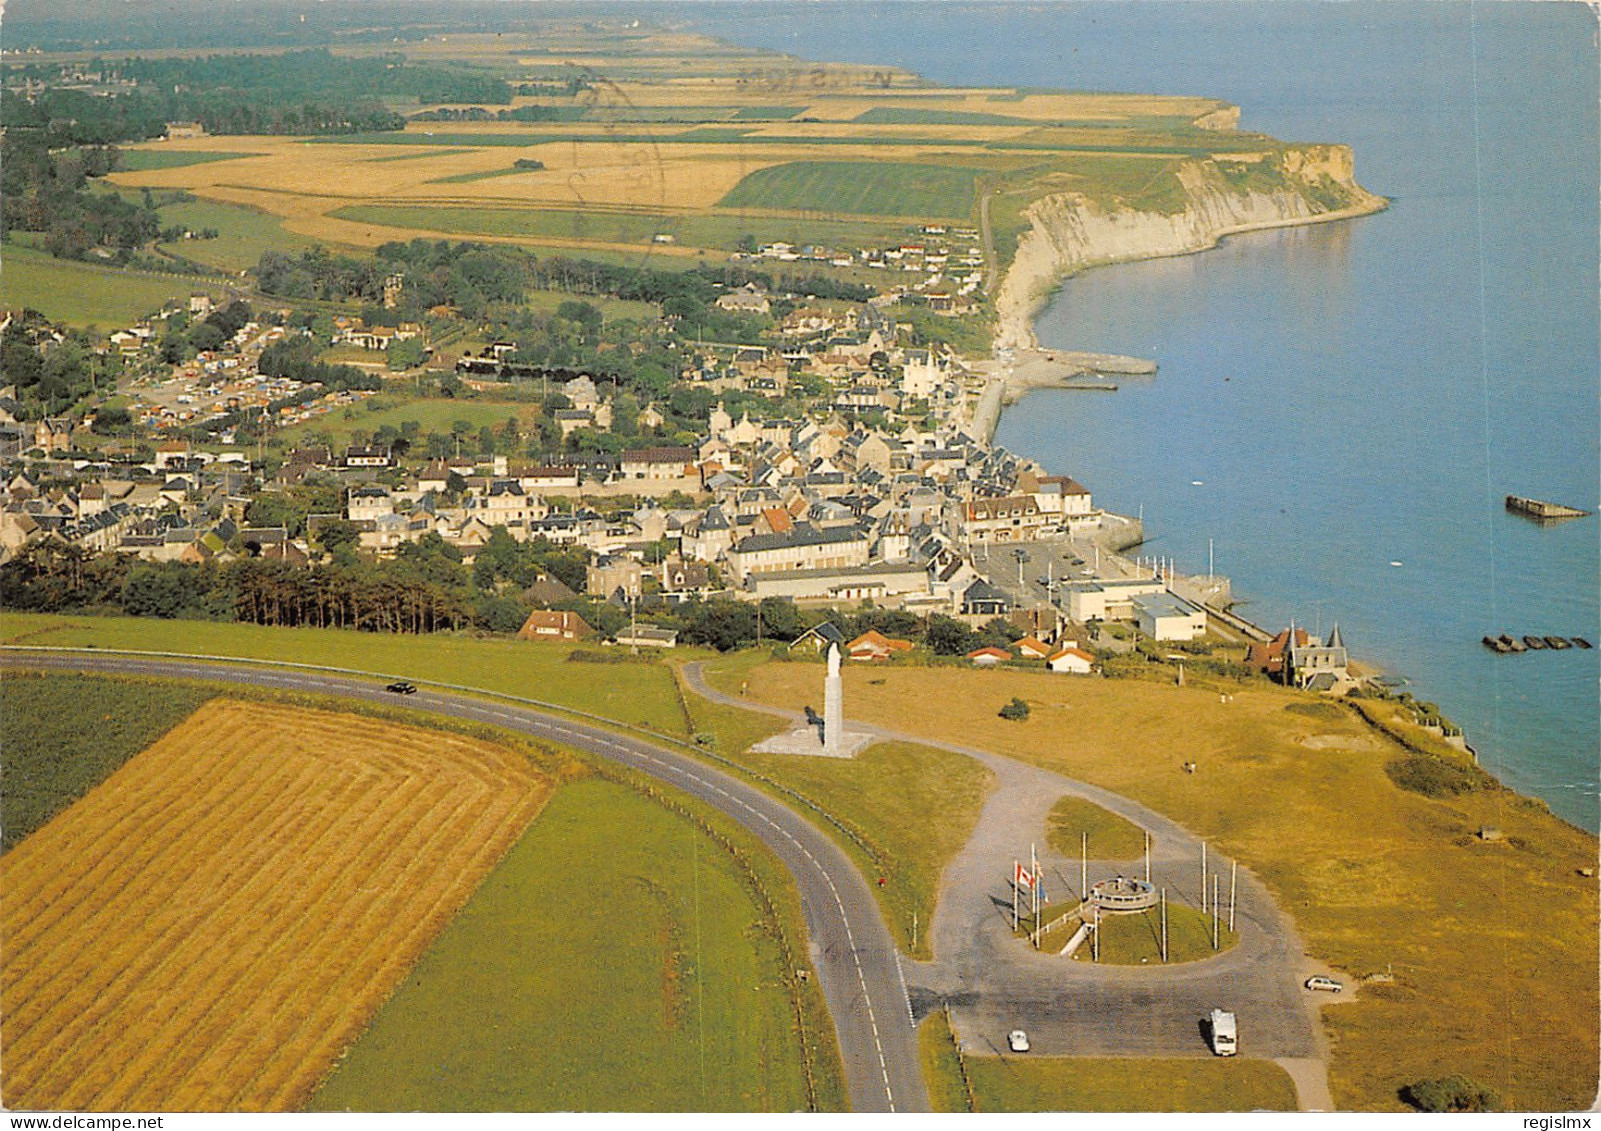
(1017, 1040)
(402, 687)
(1321, 982)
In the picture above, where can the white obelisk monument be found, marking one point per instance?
(833, 707)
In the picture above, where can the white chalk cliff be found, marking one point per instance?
(1223, 194)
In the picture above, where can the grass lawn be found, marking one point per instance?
(81, 294)
(432, 415)
(1028, 1083)
(144, 160)
(914, 806)
(942, 1067)
(1136, 940)
(1110, 837)
(610, 308)
(64, 734)
(591, 971)
(1375, 877)
(634, 694)
(884, 188)
(242, 234)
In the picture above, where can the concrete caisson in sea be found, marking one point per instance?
(1537, 508)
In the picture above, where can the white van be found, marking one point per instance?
(1225, 1035)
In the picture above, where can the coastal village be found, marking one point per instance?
(885, 493)
(483, 462)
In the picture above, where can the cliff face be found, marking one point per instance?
(1223, 194)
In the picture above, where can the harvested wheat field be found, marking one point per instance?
(212, 925)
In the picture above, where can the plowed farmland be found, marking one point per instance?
(209, 927)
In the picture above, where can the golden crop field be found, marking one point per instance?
(667, 124)
(209, 928)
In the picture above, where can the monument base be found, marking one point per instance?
(805, 740)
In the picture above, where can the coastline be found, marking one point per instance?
(1017, 306)
(1069, 235)
(1022, 365)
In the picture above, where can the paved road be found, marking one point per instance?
(994, 984)
(851, 948)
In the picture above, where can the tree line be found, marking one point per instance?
(426, 588)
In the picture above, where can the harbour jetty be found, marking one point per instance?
(1537, 508)
(1019, 371)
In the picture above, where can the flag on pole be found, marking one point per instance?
(1023, 877)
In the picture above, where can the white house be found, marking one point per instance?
(1073, 661)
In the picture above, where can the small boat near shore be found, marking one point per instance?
(1557, 642)
(1535, 643)
(1513, 644)
(1581, 642)
(1539, 508)
(1496, 644)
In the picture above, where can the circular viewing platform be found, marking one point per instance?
(1122, 895)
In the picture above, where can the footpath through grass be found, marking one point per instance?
(1377, 879)
(634, 694)
(914, 807)
(614, 961)
(62, 735)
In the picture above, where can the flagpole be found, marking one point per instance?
(1203, 877)
(1234, 879)
(1214, 912)
(1083, 866)
(1164, 924)
(1014, 895)
(1034, 889)
(1147, 857)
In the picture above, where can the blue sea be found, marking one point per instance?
(1341, 409)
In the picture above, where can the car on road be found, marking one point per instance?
(402, 687)
(1321, 982)
(1017, 1040)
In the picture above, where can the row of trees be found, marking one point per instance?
(425, 588)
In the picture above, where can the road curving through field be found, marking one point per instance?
(857, 963)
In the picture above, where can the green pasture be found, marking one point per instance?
(767, 113)
(144, 160)
(921, 116)
(242, 234)
(640, 695)
(913, 806)
(414, 156)
(885, 188)
(431, 415)
(704, 230)
(1110, 837)
(1116, 1084)
(81, 294)
(480, 175)
(64, 734)
(614, 961)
